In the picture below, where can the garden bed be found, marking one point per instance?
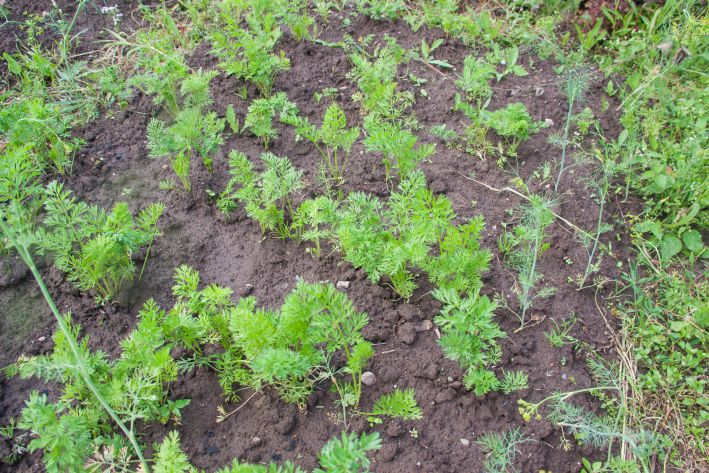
(113, 165)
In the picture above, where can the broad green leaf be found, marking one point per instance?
(440, 63)
(693, 241)
(651, 226)
(669, 247)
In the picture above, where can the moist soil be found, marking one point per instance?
(114, 166)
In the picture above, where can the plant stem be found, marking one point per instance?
(587, 272)
(565, 141)
(73, 344)
(64, 44)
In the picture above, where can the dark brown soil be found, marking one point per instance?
(114, 166)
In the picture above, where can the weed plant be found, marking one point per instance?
(512, 123)
(159, 60)
(507, 58)
(475, 81)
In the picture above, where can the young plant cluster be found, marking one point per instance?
(133, 387)
(413, 231)
(94, 248)
(193, 132)
(290, 350)
(511, 123)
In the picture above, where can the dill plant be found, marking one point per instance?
(501, 449)
(522, 249)
(604, 429)
(601, 182)
(576, 86)
(266, 196)
(332, 139)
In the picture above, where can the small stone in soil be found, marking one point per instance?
(424, 326)
(368, 378)
(343, 284)
(455, 385)
(255, 441)
(409, 312)
(465, 442)
(391, 317)
(394, 430)
(430, 372)
(285, 426)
